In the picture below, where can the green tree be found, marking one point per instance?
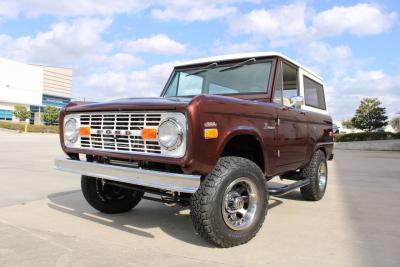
(370, 115)
(50, 114)
(395, 123)
(347, 123)
(21, 112)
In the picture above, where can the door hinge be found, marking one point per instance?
(278, 153)
(278, 121)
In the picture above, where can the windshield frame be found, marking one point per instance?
(228, 63)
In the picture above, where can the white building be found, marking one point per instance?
(34, 86)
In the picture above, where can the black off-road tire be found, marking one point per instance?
(313, 192)
(108, 198)
(206, 203)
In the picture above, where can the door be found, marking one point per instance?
(292, 133)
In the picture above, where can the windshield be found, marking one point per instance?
(245, 79)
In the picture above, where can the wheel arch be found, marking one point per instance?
(251, 147)
(322, 148)
(327, 148)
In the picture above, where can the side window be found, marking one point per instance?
(189, 84)
(314, 94)
(290, 84)
(185, 85)
(286, 85)
(173, 87)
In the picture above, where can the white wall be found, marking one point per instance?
(57, 81)
(20, 83)
(7, 106)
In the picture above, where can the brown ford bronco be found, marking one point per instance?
(221, 129)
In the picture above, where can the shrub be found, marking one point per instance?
(31, 128)
(366, 136)
(21, 112)
(50, 115)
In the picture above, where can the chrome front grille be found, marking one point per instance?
(120, 132)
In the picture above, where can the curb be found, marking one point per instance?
(377, 145)
(19, 132)
(9, 130)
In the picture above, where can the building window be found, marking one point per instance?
(5, 115)
(314, 94)
(55, 101)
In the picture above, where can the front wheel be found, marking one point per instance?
(108, 198)
(230, 205)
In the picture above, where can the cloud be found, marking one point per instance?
(79, 43)
(200, 10)
(8, 9)
(143, 83)
(158, 44)
(360, 19)
(282, 22)
(102, 69)
(346, 92)
(71, 8)
(221, 48)
(105, 68)
(323, 52)
(303, 30)
(124, 60)
(182, 10)
(64, 43)
(325, 59)
(348, 79)
(192, 14)
(286, 24)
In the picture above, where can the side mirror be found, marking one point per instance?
(296, 101)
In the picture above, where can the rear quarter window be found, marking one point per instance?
(314, 93)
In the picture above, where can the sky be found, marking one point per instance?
(127, 48)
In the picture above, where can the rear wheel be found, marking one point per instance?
(230, 206)
(317, 172)
(108, 198)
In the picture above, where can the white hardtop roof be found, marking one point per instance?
(244, 56)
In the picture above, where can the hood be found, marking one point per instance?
(127, 104)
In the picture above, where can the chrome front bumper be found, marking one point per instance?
(155, 179)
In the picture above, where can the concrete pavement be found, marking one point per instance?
(26, 167)
(44, 220)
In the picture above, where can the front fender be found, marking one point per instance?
(232, 117)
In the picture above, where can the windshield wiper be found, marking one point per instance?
(208, 67)
(241, 64)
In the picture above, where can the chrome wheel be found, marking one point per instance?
(239, 203)
(322, 176)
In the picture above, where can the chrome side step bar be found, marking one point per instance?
(154, 179)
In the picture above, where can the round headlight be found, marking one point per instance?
(71, 131)
(170, 134)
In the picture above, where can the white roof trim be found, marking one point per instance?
(246, 55)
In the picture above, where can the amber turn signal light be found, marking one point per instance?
(211, 133)
(84, 131)
(149, 133)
